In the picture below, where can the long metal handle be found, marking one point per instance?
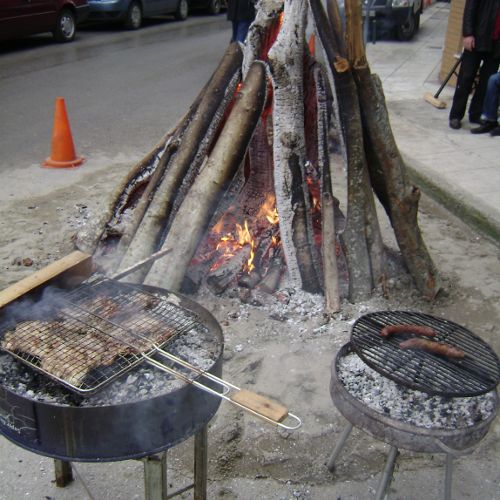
(251, 402)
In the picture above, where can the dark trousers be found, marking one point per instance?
(468, 70)
(492, 98)
(240, 30)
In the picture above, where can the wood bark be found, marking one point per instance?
(262, 32)
(94, 233)
(388, 172)
(194, 215)
(194, 144)
(358, 191)
(286, 63)
(328, 233)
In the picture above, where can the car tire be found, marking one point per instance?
(133, 19)
(214, 7)
(66, 26)
(406, 31)
(182, 11)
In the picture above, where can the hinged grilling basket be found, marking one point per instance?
(98, 332)
(104, 328)
(477, 373)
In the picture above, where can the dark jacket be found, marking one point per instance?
(241, 10)
(479, 21)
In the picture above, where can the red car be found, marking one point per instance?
(20, 18)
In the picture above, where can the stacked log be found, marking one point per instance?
(261, 125)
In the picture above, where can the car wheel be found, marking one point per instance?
(214, 7)
(66, 26)
(182, 10)
(133, 20)
(407, 30)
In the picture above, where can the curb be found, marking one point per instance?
(467, 208)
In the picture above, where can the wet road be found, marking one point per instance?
(123, 90)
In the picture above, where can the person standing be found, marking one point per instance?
(241, 13)
(489, 118)
(481, 40)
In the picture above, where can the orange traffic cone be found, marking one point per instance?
(63, 153)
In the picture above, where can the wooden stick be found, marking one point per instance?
(77, 266)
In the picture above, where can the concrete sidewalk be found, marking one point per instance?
(459, 169)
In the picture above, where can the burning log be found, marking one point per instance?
(212, 179)
(227, 272)
(271, 280)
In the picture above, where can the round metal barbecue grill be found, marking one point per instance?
(477, 373)
(88, 337)
(453, 442)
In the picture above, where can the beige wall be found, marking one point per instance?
(453, 40)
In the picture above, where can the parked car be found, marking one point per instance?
(21, 18)
(400, 16)
(213, 7)
(132, 12)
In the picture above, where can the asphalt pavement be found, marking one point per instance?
(461, 170)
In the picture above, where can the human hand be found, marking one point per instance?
(427, 3)
(469, 42)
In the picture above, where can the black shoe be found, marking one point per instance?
(484, 128)
(495, 132)
(475, 119)
(455, 123)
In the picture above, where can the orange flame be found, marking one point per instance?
(245, 238)
(268, 209)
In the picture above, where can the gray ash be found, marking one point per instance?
(408, 405)
(197, 346)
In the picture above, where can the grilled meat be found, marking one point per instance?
(93, 334)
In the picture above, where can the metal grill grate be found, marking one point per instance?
(99, 331)
(477, 373)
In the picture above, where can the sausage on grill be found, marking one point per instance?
(438, 348)
(427, 331)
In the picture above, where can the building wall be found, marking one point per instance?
(453, 40)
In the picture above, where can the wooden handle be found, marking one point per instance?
(77, 265)
(260, 404)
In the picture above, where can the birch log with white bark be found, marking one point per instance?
(197, 208)
(286, 63)
(262, 32)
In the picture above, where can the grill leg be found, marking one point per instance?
(155, 476)
(448, 476)
(386, 478)
(338, 448)
(200, 464)
(63, 472)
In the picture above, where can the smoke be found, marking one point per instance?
(44, 306)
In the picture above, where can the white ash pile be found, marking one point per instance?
(196, 346)
(408, 405)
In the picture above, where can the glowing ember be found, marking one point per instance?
(314, 190)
